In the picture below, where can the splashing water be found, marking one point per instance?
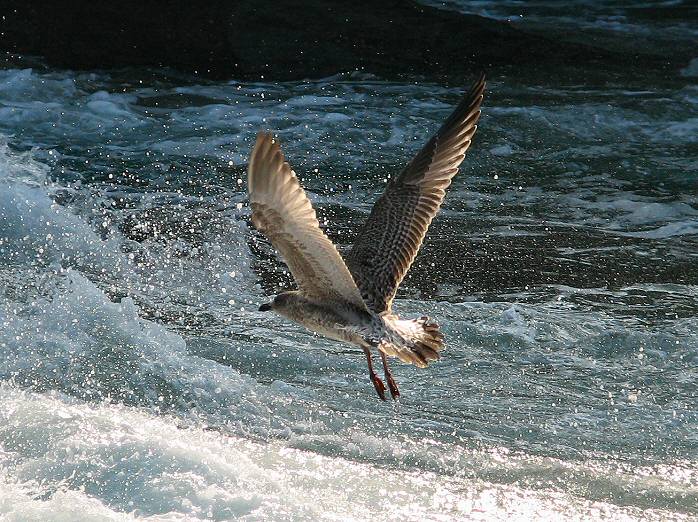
(139, 381)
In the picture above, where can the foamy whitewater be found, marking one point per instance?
(138, 381)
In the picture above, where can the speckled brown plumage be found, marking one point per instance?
(391, 237)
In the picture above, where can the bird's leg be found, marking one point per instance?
(377, 383)
(394, 391)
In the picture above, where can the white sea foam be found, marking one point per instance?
(631, 214)
(691, 69)
(111, 462)
(34, 228)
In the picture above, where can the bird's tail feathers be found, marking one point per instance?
(420, 340)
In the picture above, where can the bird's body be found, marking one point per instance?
(352, 301)
(342, 321)
(336, 320)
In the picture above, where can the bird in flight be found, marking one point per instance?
(351, 299)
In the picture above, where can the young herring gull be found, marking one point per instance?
(351, 299)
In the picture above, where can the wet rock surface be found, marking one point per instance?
(295, 39)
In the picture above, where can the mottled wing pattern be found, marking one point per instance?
(390, 239)
(283, 213)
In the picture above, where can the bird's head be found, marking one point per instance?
(280, 303)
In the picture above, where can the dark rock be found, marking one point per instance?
(84, 34)
(293, 39)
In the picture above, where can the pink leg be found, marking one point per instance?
(377, 383)
(394, 391)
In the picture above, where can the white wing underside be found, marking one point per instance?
(283, 213)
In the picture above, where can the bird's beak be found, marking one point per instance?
(265, 307)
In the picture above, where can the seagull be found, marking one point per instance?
(351, 299)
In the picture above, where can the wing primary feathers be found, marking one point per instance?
(392, 235)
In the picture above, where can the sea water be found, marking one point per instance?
(138, 381)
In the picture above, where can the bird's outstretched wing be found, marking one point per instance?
(283, 213)
(390, 239)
